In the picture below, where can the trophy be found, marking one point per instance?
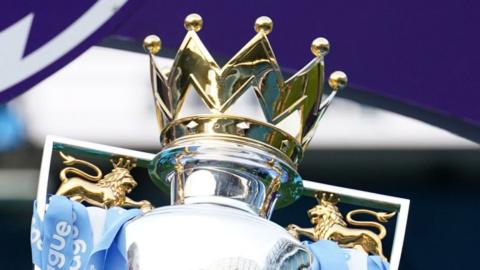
(227, 171)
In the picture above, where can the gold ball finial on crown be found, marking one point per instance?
(320, 47)
(152, 44)
(193, 22)
(338, 80)
(264, 24)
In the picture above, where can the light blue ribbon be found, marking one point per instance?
(110, 252)
(376, 263)
(36, 239)
(64, 239)
(327, 255)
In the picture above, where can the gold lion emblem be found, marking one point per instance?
(105, 192)
(329, 225)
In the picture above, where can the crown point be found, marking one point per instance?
(264, 24)
(193, 22)
(338, 80)
(320, 47)
(152, 44)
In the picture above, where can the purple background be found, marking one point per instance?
(420, 53)
(50, 18)
(423, 53)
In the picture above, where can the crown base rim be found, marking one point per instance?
(234, 128)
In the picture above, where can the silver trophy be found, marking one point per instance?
(227, 172)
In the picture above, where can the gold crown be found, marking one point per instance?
(253, 68)
(123, 163)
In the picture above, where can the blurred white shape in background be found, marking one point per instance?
(104, 96)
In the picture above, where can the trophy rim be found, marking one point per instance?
(291, 185)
